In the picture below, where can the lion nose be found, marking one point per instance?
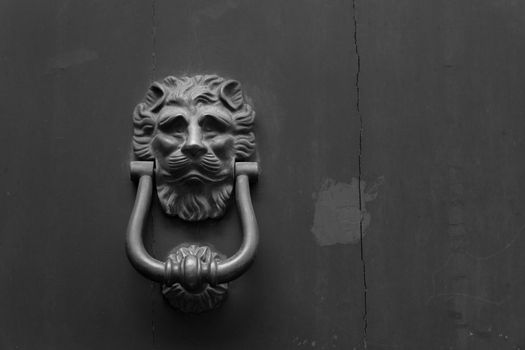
(193, 147)
(193, 150)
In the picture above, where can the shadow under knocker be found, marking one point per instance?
(193, 138)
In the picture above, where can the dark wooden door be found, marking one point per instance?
(390, 136)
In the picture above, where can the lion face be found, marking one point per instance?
(194, 150)
(195, 128)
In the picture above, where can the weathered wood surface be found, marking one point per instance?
(433, 158)
(72, 74)
(442, 86)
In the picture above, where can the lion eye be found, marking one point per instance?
(213, 124)
(172, 125)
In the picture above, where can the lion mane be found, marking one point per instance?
(206, 89)
(190, 202)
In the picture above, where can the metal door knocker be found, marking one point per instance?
(193, 137)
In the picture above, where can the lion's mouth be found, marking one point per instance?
(196, 177)
(181, 169)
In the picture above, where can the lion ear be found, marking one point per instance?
(155, 96)
(231, 94)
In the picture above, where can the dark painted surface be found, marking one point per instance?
(441, 88)
(71, 75)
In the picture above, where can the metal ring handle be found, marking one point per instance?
(190, 270)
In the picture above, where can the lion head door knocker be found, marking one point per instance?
(193, 137)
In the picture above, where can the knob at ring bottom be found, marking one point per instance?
(195, 297)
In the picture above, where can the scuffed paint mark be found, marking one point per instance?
(72, 58)
(337, 216)
(215, 11)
